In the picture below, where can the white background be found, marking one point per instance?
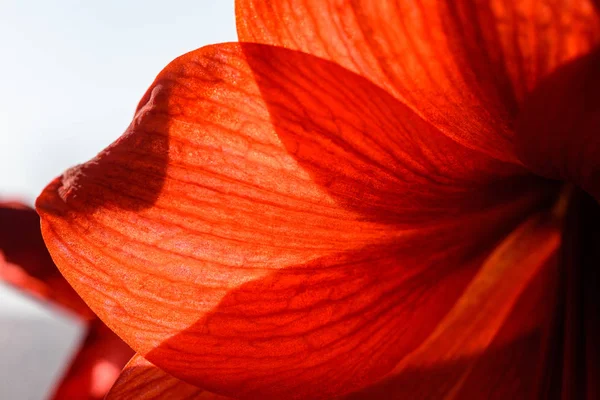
(71, 74)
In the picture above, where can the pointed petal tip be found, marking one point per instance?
(50, 201)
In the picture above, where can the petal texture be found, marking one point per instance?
(465, 66)
(144, 381)
(492, 342)
(295, 229)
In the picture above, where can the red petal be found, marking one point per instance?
(28, 266)
(463, 65)
(26, 263)
(96, 366)
(263, 230)
(558, 132)
(21, 240)
(141, 380)
(491, 344)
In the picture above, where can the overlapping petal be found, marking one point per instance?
(261, 230)
(463, 65)
(141, 380)
(559, 128)
(494, 342)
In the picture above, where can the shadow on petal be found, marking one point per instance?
(514, 364)
(558, 128)
(242, 228)
(501, 372)
(340, 323)
(370, 152)
(320, 329)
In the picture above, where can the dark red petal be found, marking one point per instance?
(273, 225)
(559, 127)
(492, 342)
(141, 380)
(21, 240)
(26, 264)
(463, 65)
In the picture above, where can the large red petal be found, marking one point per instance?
(559, 127)
(463, 65)
(263, 230)
(141, 380)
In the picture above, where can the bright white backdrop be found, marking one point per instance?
(71, 74)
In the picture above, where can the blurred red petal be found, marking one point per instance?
(141, 380)
(464, 65)
(96, 366)
(21, 241)
(270, 224)
(26, 264)
(16, 276)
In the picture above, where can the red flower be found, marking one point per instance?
(351, 206)
(26, 264)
